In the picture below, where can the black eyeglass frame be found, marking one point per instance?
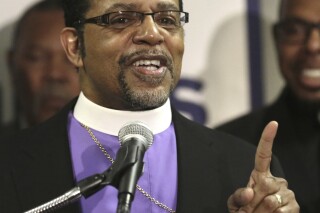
(103, 20)
(309, 26)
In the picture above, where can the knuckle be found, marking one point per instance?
(281, 210)
(291, 195)
(270, 202)
(265, 184)
(283, 181)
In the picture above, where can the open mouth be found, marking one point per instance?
(310, 78)
(155, 66)
(151, 65)
(311, 73)
(55, 102)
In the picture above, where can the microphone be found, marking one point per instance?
(135, 138)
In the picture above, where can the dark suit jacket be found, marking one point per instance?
(35, 166)
(296, 144)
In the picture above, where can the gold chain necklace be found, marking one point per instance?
(104, 151)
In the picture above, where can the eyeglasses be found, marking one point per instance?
(294, 31)
(169, 20)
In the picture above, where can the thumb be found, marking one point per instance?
(240, 198)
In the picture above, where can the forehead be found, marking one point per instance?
(308, 9)
(103, 6)
(42, 23)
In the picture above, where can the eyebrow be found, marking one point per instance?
(134, 7)
(167, 6)
(296, 19)
(121, 6)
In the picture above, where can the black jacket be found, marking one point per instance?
(296, 144)
(35, 166)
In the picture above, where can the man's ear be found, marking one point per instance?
(70, 42)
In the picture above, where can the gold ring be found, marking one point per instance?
(279, 199)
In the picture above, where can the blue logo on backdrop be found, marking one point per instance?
(194, 111)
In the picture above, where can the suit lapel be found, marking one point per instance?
(44, 152)
(199, 180)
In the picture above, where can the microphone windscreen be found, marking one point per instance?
(137, 130)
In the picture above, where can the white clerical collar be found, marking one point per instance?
(110, 121)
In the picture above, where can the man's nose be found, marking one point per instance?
(148, 32)
(313, 42)
(59, 69)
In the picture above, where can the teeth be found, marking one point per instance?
(313, 73)
(147, 63)
(151, 68)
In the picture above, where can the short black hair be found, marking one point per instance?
(75, 10)
(43, 5)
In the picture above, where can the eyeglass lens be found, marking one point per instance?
(294, 31)
(123, 19)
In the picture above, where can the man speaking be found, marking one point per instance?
(129, 56)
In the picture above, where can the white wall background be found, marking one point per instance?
(273, 80)
(215, 54)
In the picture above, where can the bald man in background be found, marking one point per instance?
(44, 80)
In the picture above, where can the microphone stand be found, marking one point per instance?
(128, 181)
(92, 184)
(87, 185)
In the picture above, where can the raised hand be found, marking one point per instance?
(264, 192)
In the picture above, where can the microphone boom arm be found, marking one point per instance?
(91, 184)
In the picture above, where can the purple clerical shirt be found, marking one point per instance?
(160, 170)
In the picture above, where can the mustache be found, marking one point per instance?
(127, 58)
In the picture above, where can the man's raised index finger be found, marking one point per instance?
(264, 149)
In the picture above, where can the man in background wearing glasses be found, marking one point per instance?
(129, 57)
(297, 110)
